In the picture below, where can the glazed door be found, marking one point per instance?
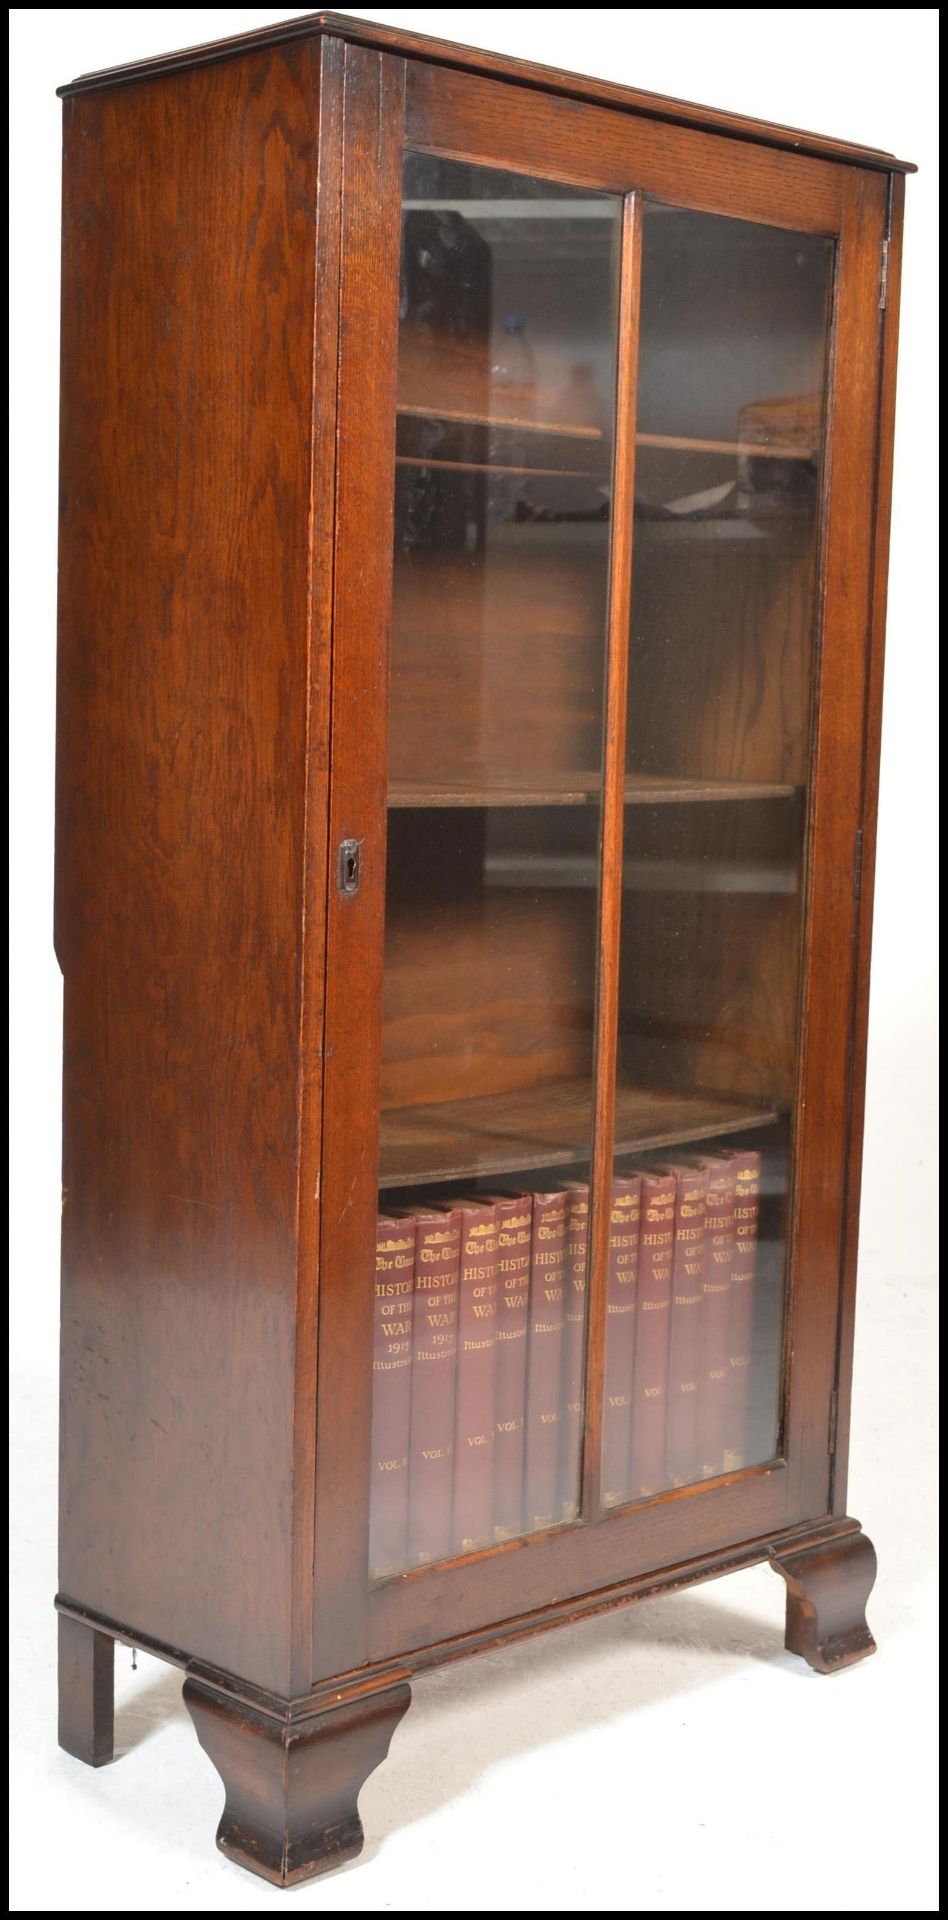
(599, 627)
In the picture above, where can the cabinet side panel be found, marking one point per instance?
(870, 805)
(189, 236)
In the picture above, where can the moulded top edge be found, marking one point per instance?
(496, 66)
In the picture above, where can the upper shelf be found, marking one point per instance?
(566, 429)
(579, 790)
(448, 379)
(443, 376)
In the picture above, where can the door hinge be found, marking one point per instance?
(884, 276)
(834, 1415)
(857, 866)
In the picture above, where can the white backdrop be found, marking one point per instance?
(868, 77)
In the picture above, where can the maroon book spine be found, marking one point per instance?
(473, 1523)
(574, 1349)
(715, 1316)
(741, 1314)
(624, 1223)
(682, 1456)
(514, 1234)
(545, 1360)
(652, 1319)
(391, 1395)
(434, 1365)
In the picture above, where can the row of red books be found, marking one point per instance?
(480, 1338)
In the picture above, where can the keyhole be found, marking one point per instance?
(348, 869)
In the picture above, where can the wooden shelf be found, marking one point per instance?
(684, 443)
(583, 789)
(577, 790)
(542, 1126)
(496, 466)
(495, 211)
(671, 442)
(709, 876)
(786, 531)
(651, 789)
(579, 872)
(442, 377)
(464, 416)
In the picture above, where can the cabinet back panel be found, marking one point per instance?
(519, 645)
(187, 380)
(711, 947)
(719, 684)
(487, 988)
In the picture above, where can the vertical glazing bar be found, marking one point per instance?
(610, 896)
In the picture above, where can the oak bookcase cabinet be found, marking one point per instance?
(474, 505)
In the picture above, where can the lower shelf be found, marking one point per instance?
(544, 1126)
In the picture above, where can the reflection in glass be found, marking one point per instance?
(506, 381)
(732, 370)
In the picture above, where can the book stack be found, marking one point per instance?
(678, 1367)
(480, 1339)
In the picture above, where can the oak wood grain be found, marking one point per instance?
(458, 114)
(551, 79)
(581, 790)
(292, 1785)
(546, 1125)
(828, 1584)
(229, 444)
(371, 187)
(316, 877)
(869, 814)
(461, 119)
(827, 989)
(86, 1686)
(711, 947)
(376, 1675)
(186, 453)
(456, 1015)
(734, 705)
(517, 636)
(610, 1121)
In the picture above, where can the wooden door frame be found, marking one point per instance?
(390, 104)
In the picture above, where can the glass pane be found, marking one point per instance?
(732, 371)
(506, 383)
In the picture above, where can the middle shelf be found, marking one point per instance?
(546, 1125)
(582, 789)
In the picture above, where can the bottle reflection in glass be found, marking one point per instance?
(513, 376)
(580, 403)
(513, 366)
